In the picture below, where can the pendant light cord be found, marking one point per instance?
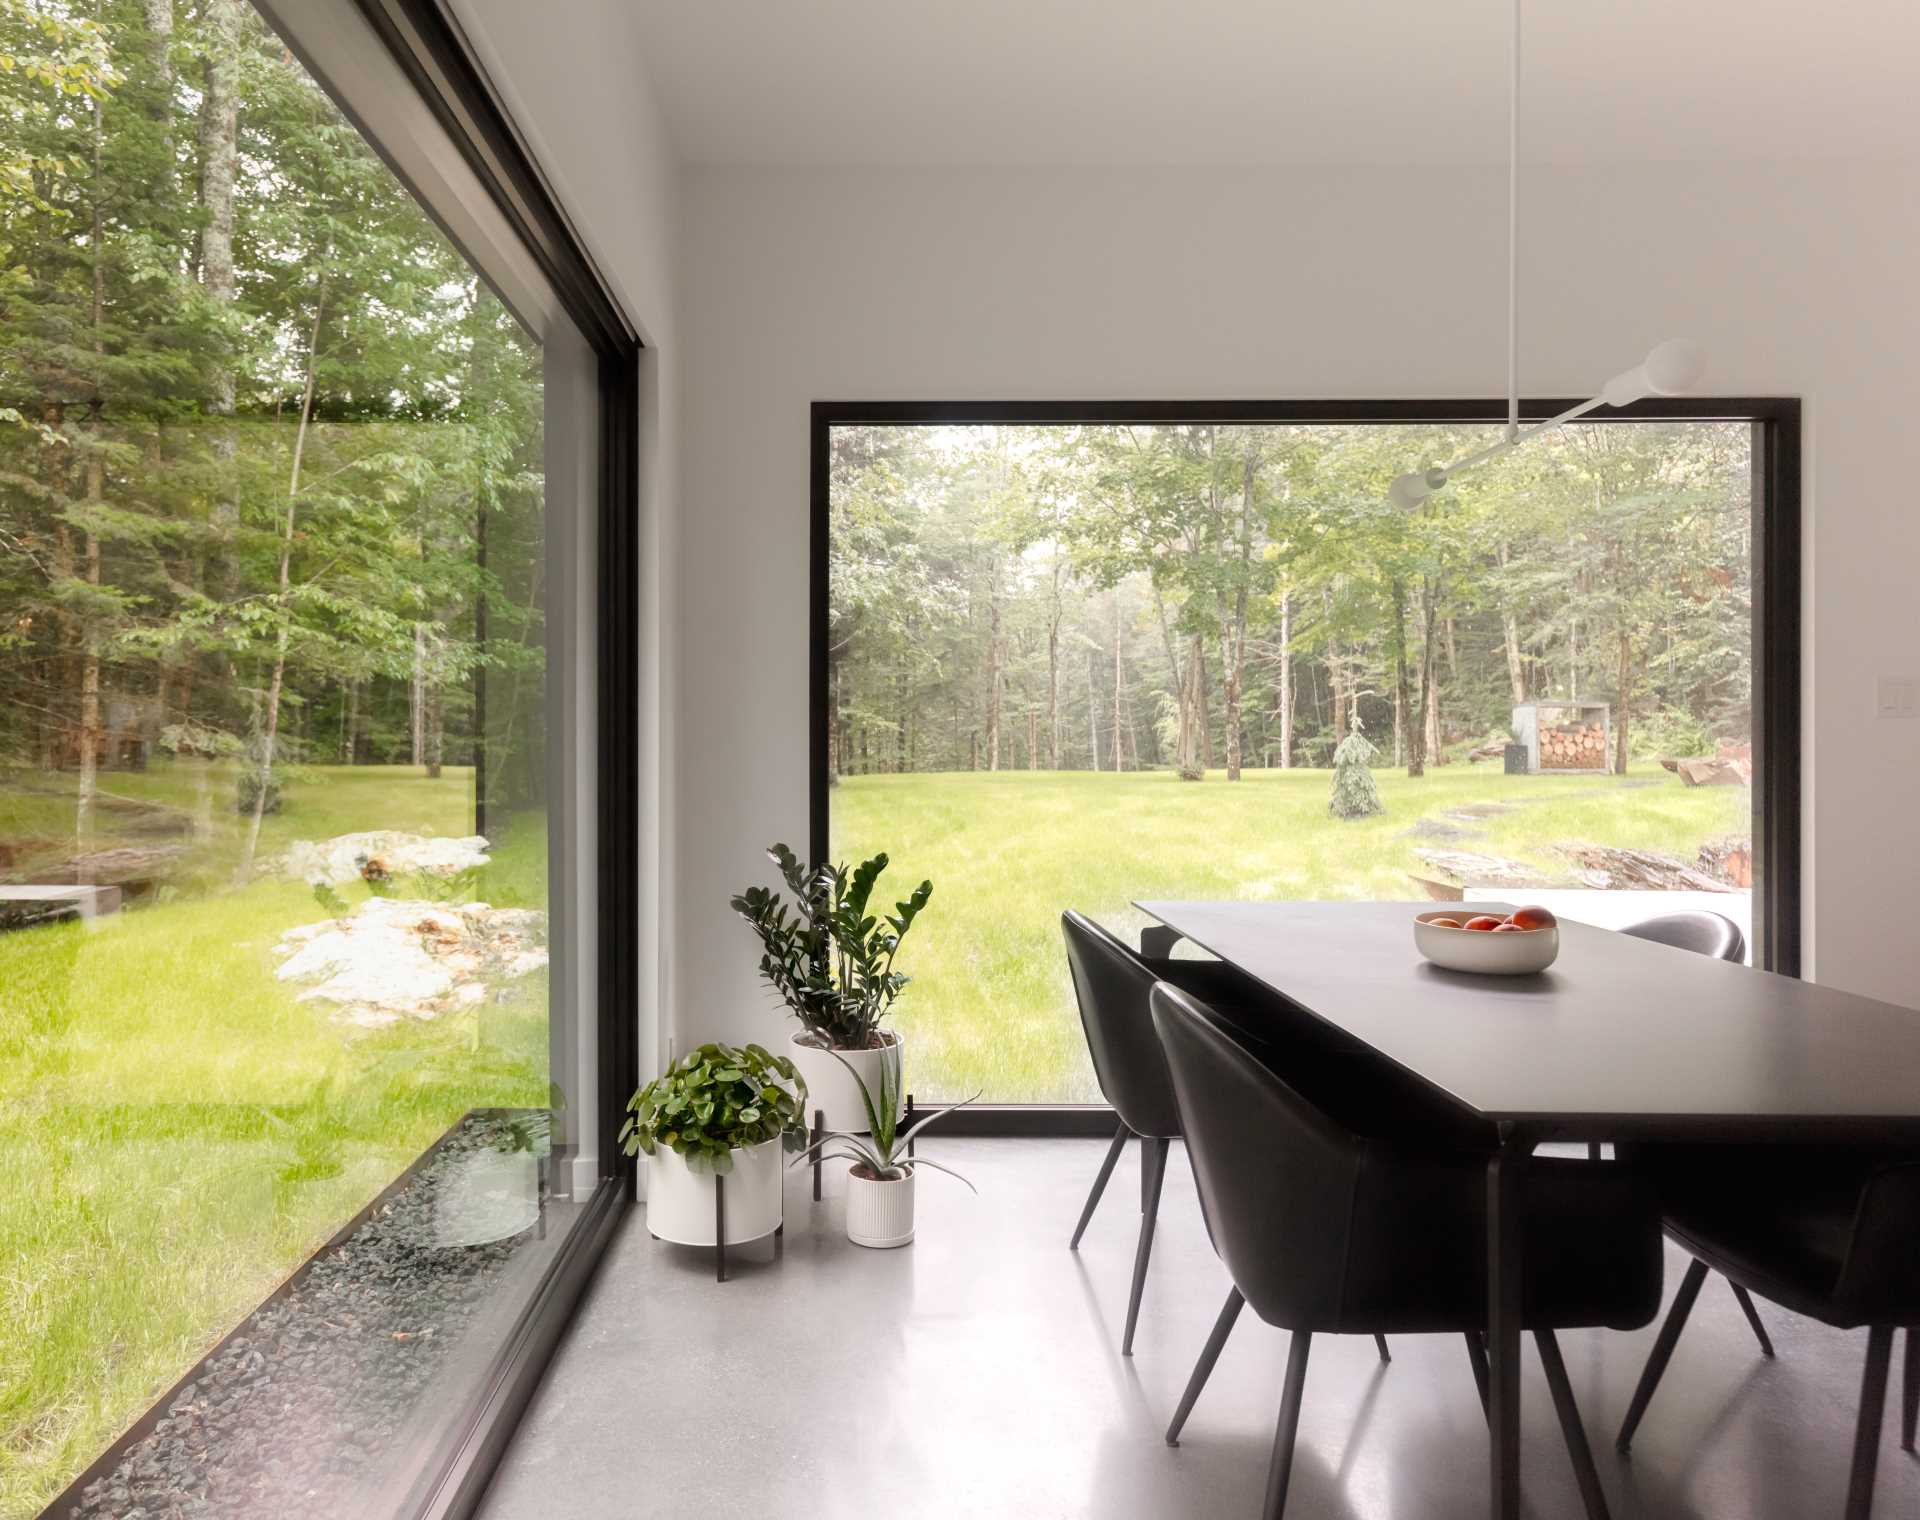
(1513, 229)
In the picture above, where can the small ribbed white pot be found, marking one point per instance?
(831, 1088)
(680, 1200)
(879, 1214)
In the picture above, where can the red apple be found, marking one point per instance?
(1444, 923)
(1533, 918)
(1509, 928)
(1485, 921)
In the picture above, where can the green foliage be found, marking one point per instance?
(882, 1152)
(1354, 795)
(715, 1100)
(829, 959)
(248, 785)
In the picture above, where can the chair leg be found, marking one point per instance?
(1753, 1317)
(1281, 1467)
(1663, 1344)
(1866, 1433)
(1380, 1345)
(1100, 1183)
(1584, 1472)
(1154, 1161)
(1593, 1151)
(1203, 1369)
(1910, 1390)
(1477, 1354)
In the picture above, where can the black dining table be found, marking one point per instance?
(1620, 1039)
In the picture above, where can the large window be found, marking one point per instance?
(1073, 660)
(297, 652)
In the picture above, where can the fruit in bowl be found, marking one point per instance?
(1520, 943)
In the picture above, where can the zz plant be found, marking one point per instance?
(714, 1100)
(828, 958)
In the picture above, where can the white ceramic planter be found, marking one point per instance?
(680, 1201)
(879, 1214)
(831, 1088)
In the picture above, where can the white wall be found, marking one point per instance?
(805, 285)
(572, 77)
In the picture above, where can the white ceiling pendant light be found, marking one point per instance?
(1671, 369)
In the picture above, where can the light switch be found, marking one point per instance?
(1895, 696)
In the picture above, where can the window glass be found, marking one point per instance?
(276, 566)
(1070, 667)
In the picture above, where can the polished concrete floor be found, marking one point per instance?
(977, 1373)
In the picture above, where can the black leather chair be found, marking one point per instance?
(1112, 983)
(1712, 934)
(1326, 1228)
(1699, 931)
(1829, 1232)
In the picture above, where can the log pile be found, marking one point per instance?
(1574, 747)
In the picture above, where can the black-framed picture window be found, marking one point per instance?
(1068, 655)
(317, 522)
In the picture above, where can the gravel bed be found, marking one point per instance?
(316, 1407)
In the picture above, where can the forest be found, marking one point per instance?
(1209, 597)
(270, 486)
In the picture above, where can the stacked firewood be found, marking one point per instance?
(1574, 747)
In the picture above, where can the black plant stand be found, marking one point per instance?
(720, 1228)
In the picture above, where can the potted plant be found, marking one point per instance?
(832, 964)
(880, 1179)
(719, 1111)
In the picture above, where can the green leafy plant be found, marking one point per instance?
(831, 961)
(882, 1154)
(715, 1100)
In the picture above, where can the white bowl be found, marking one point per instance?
(1513, 952)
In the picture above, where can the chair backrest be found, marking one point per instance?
(1112, 985)
(1699, 931)
(1277, 1175)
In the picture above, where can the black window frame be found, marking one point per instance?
(428, 43)
(1776, 561)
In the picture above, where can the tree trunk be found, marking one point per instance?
(1093, 708)
(1404, 733)
(270, 729)
(1033, 738)
(349, 721)
(1430, 668)
(1234, 635)
(1119, 687)
(1053, 689)
(1335, 670)
(1510, 635)
(1622, 700)
(1286, 680)
(1203, 702)
(1176, 679)
(436, 730)
(219, 159)
(995, 678)
(96, 493)
(417, 696)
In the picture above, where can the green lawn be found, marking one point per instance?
(991, 1008)
(180, 1132)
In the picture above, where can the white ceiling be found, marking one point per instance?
(1015, 82)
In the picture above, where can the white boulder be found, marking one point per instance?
(401, 958)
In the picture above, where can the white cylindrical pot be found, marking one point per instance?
(879, 1214)
(680, 1200)
(831, 1088)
